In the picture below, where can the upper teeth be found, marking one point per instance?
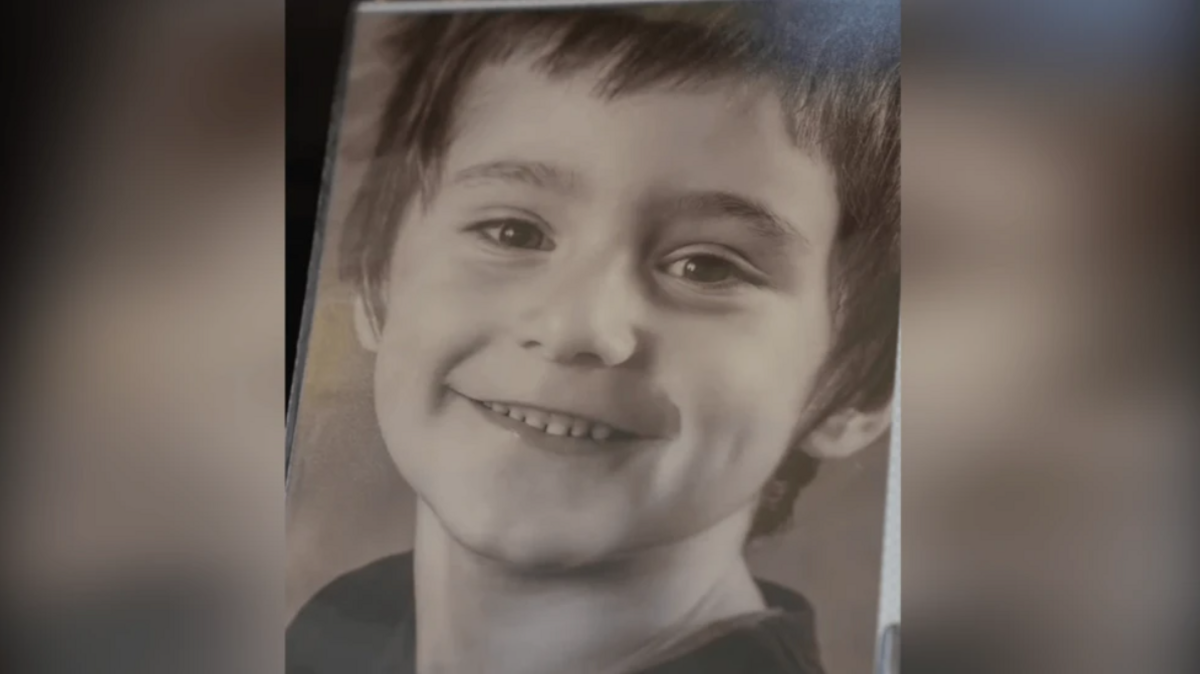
(553, 423)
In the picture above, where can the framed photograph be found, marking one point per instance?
(601, 342)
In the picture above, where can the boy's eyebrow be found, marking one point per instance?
(761, 220)
(537, 174)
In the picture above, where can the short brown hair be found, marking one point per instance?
(836, 67)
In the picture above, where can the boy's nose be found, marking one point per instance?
(589, 319)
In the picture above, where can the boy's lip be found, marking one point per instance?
(628, 417)
(558, 444)
(502, 406)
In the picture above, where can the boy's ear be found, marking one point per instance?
(365, 325)
(848, 432)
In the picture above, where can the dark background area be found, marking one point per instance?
(316, 32)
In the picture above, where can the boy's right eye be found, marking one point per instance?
(514, 233)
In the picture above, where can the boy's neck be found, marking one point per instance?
(475, 617)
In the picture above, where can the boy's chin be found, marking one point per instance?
(548, 551)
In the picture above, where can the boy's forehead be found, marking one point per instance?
(560, 135)
(726, 123)
(520, 86)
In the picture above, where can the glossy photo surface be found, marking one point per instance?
(602, 343)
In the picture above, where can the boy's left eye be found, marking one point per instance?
(704, 269)
(514, 233)
(708, 270)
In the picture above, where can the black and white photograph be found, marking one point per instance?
(601, 341)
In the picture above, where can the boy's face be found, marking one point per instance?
(605, 323)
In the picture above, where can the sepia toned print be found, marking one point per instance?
(606, 288)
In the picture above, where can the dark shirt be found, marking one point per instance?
(364, 623)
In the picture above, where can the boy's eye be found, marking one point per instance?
(708, 270)
(705, 269)
(515, 233)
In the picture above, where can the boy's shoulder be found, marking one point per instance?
(364, 623)
(781, 640)
(352, 623)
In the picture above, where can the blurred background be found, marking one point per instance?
(144, 518)
(1048, 336)
(1047, 318)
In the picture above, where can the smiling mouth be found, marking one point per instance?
(556, 424)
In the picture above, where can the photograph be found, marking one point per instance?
(597, 371)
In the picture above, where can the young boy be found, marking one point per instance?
(625, 274)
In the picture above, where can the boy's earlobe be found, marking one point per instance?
(848, 432)
(364, 326)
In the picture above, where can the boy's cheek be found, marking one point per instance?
(739, 373)
(441, 266)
